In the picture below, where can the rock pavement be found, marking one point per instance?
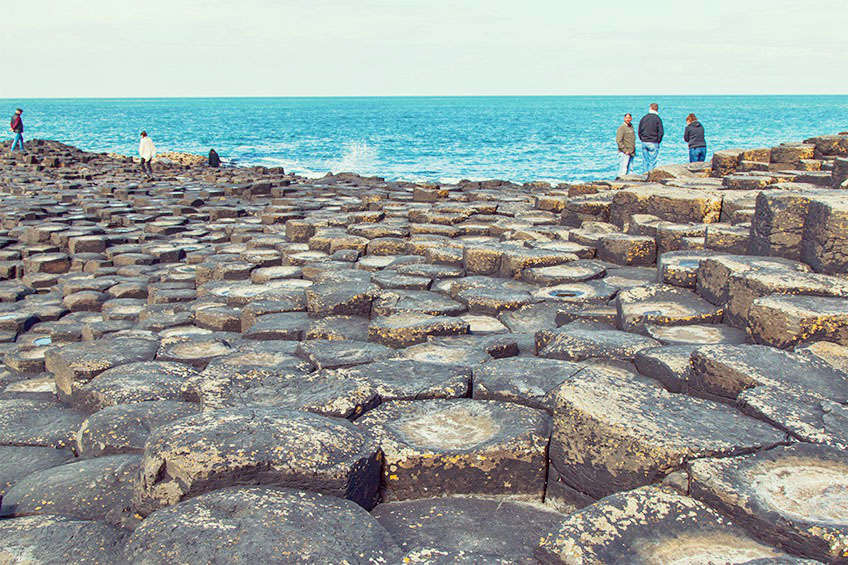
(239, 364)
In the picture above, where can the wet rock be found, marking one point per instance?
(18, 462)
(37, 423)
(124, 428)
(59, 539)
(75, 364)
(652, 525)
(260, 446)
(791, 496)
(261, 525)
(96, 489)
(597, 414)
(497, 530)
(134, 382)
(463, 446)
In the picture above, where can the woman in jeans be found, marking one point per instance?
(694, 134)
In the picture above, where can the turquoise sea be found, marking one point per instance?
(426, 138)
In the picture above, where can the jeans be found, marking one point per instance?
(19, 140)
(149, 170)
(697, 154)
(650, 152)
(625, 162)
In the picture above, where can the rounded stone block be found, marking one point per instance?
(260, 446)
(17, 462)
(261, 525)
(134, 382)
(407, 379)
(523, 380)
(462, 446)
(38, 423)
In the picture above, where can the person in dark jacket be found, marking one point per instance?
(694, 135)
(17, 127)
(214, 159)
(651, 135)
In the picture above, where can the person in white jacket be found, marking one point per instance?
(146, 150)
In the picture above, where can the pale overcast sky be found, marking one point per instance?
(116, 48)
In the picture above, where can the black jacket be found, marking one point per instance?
(694, 134)
(650, 129)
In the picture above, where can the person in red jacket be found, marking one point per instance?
(17, 127)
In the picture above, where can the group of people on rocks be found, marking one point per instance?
(651, 135)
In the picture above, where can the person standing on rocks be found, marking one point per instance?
(17, 127)
(651, 135)
(625, 138)
(214, 159)
(694, 135)
(146, 150)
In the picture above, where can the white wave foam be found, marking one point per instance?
(358, 157)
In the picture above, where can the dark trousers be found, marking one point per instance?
(149, 170)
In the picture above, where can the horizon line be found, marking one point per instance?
(363, 96)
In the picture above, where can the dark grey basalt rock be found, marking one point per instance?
(502, 531)
(612, 434)
(284, 325)
(346, 298)
(124, 428)
(96, 489)
(663, 305)
(134, 382)
(668, 364)
(261, 525)
(791, 496)
(406, 379)
(403, 330)
(38, 423)
(651, 525)
(411, 301)
(524, 380)
(18, 462)
(725, 371)
(462, 446)
(787, 320)
(75, 364)
(59, 539)
(258, 446)
(578, 343)
(196, 351)
(335, 354)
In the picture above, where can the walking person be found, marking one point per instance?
(694, 135)
(17, 127)
(625, 138)
(651, 135)
(146, 150)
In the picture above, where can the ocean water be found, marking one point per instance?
(444, 139)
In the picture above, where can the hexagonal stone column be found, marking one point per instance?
(405, 329)
(256, 445)
(786, 320)
(662, 305)
(134, 382)
(792, 496)
(650, 525)
(612, 435)
(38, 423)
(464, 528)
(261, 525)
(523, 380)
(825, 243)
(75, 364)
(461, 446)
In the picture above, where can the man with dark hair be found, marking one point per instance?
(625, 138)
(146, 150)
(651, 135)
(695, 137)
(17, 127)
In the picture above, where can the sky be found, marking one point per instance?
(193, 48)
